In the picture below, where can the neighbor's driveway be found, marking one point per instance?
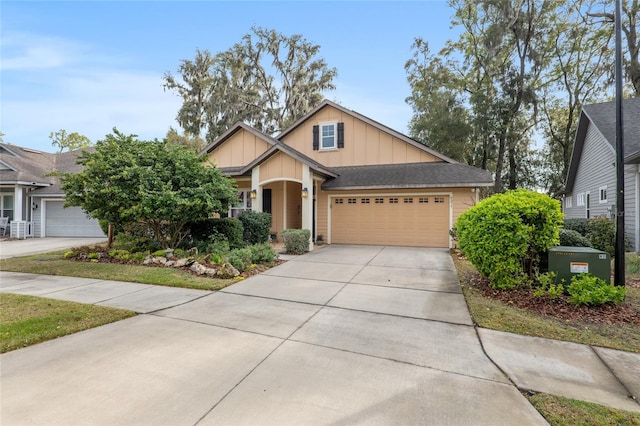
(17, 248)
(345, 334)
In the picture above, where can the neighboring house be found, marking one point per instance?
(590, 189)
(348, 179)
(34, 202)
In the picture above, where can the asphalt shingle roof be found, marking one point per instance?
(412, 175)
(603, 116)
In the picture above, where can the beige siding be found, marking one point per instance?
(277, 199)
(239, 150)
(280, 166)
(294, 205)
(364, 144)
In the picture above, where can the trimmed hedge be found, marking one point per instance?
(257, 226)
(504, 235)
(296, 241)
(571, 238)
(578, 225)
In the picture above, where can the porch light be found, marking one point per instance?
(253, 194)
(305, 192)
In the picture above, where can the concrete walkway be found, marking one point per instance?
(345, 334)
(17, 248)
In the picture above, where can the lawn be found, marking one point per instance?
(560, 411)
(496, 315)
(27, 320)
(54, 264)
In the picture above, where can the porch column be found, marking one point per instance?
(256, 203)
(284, 205)
(307, 203)
(18, 203)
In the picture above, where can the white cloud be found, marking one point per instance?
(25, 51)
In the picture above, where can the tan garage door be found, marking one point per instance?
(391, 220)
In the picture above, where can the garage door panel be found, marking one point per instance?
(391, 220)
(69, 222)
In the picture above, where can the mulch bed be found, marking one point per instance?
(560, 307)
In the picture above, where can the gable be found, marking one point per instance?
(365, 142)
(280, 165)
(596, 165)
(239, 149)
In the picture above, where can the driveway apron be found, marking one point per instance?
(344, 334)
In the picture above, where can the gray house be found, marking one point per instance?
(590, 188)
(34, 202)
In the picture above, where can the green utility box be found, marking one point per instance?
(569, 261)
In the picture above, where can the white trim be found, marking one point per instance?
(637, 230)
(580, 200)
(387, 194)
(335, 136)
(600, 199)
(280, 179)
(587, 204)
(284, 206)
(256, 204)
(568, 202)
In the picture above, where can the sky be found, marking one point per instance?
(88, 66)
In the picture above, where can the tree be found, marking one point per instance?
(234, 85)
(129, 181)
(68, 141)
(194, 143)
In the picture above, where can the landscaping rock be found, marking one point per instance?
(147, 260)
(227, 271)
(198, 268)
(211, 272)
(170, 263)
(158, 260)
(181, 262)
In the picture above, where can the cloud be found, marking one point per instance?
(26, 51)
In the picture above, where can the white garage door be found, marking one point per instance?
(69, 222)
(402, 220)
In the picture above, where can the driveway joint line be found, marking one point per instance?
(407, 288)
(628, 391)
(498, 366)
(401, 316)
(355, 275)
(303, 278)
(275, 298)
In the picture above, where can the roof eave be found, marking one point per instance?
(409, 186)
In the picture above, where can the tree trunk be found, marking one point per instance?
(109, 235)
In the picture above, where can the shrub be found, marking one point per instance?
(504, 235)
(240, 258)
(602, 233)
(134, 243)
(262, 253)
(120, 254)
(296, 241)
(228, 228)
(256, 225)
(578, 225)
(548, 286)
(569, 237)
(586, 289)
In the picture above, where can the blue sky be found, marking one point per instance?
(87, 66)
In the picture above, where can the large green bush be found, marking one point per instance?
(586, 289)
(601, 231)
(296, 241)
(256, 225)
(228, 228)
(571, 238)
(578, 225)
(504, 235)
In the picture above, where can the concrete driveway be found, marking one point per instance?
(342, 335)
(17, 248)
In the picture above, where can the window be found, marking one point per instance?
(339, 201)
(243, 203)
(408, 200)
(603, 194)
(393, 201)
(580, 200)
(364, 201)
(379, 200)
(328, 136)
(6, 206)
(438, 199)
(568, 202)
(423, 200)
(351, 201)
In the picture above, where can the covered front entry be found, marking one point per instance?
(283, 200)
(396, 220)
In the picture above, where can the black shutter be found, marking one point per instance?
(340, 135)
(316, 138)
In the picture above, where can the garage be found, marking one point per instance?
(398, 220)
(69, 222)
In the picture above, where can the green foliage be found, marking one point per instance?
(602, 233)
(228, 228)
(93, 256)
(548, 286)
(159, 253)
(571, 238)
(296, 241)
(127, 181)
(262, 253)
(68, 141)
(120, 254)
(133, 243)
(586, 289)
(503, 235)
(240, 258)
(69, 254)
(578, 225)
(256, 226)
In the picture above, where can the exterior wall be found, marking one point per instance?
(631, 213)
(363, 144)
(462, 199)
(239, 150)
(294, 205)
(596, 168)
(277, 200)
(280, 166)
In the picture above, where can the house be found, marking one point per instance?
(348, 179)
(34, 202)
(590, 188)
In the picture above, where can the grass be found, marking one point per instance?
(54, 264)
(495, 315)
(27, 320)
(560, 411)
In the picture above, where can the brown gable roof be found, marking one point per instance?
(412, 175)
(369, 121)
(281, 147)
(232, 131)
